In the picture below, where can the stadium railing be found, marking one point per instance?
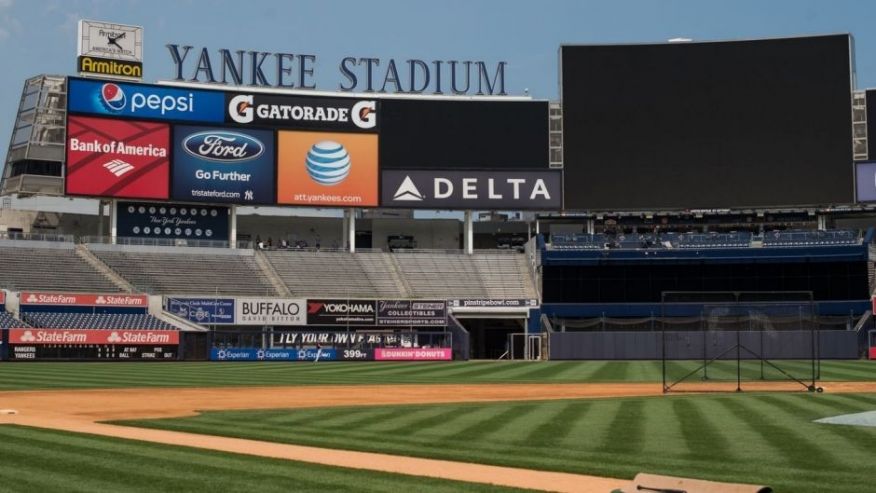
(743, 239)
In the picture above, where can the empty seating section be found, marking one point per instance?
(505, 276)
(189, 273)
(442, 275)
(741, 239)
(133, 321)
(49, 269)
(709, 240)
(335, 274)
(7, 321)
(799, 238)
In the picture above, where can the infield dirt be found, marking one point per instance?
(82, 410)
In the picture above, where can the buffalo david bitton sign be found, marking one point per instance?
(270, 311)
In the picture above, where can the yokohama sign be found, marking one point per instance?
(86, 336)
(79, 299)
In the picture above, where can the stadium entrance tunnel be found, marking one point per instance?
(490, 337)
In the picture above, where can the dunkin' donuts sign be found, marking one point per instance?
(79, 299)
(34, 336)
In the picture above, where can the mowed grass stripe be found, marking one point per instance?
(805, 452)
(105, 464)
(733, 437)
(556, 422)
(660, 427)
(18, 376)
(702, 437)
(836, 439)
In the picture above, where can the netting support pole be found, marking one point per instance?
(738, 363)
(663, 355)
(761, 357)
(812, 388)
(705, 345)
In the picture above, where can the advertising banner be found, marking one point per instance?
(115, 158)
(29, 298)
(109, 67)
(488, 303)
(413, 354)
(2, 297)
(144, 101)
(303, 112)
(270, 311)
(143, 219)
(223, 165)
(327, 169)
(35, 336)
(410, 312)
(434, 189)
(866, 181)
(255, 354)
(341, 312)
(207, 311)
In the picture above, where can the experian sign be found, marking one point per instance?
(144, 101)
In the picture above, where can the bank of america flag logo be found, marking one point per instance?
(118, 167)
(407, 191)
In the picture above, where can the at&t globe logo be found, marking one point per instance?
(328, 163)
(113, 97)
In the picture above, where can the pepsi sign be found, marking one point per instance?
(144, 101)
(223, 165)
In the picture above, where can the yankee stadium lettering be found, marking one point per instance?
(360, 74)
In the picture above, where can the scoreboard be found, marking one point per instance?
(113, 352)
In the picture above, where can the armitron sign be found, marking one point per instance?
(109, 67)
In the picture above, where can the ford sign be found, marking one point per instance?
(223, 146)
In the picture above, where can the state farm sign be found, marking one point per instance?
(79, 299)
(87, 336)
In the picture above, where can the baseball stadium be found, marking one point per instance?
(662, 280)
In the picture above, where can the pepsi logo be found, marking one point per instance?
(328, 163)
(223, 146)
(113, 97)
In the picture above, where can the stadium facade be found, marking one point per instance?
(260, 221)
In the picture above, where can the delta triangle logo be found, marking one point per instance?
(407, 191)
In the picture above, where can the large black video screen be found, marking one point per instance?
(696, 125)
(444, 134)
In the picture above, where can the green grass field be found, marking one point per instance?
(755, 438)
(22, 376)
(36, 460)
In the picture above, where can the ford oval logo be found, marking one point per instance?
(223, 146)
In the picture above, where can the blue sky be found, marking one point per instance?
(40, 36)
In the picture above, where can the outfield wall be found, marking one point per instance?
(693, 345)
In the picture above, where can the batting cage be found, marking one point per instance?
(741, 341)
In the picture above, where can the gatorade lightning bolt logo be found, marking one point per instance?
(113, 97)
